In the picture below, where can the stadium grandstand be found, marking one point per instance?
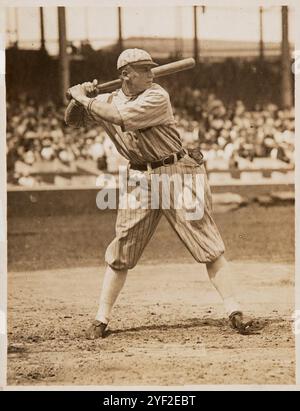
(236, 105)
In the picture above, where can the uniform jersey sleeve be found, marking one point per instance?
(148, 110)
(77, 116)
(74, 114)
(93, 116)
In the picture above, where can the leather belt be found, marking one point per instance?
(168, 160)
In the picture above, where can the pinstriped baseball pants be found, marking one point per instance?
(135, 227)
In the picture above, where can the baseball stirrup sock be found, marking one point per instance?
(113, 283)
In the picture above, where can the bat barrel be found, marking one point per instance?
(173, 67)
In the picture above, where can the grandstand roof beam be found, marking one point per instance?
(120, 38)
(42, 27)
(196, 47)
(261, 34)
(64, 74)
(286, 72)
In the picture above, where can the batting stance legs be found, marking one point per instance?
(114, 281)
(134, 228)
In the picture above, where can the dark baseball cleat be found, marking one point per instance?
(238, 323)
(96, 330)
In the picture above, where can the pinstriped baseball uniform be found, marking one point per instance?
(149, 131)
(134, 228)
(148, 134)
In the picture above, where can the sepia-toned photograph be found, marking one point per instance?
(150, 181)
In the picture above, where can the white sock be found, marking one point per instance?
(219, 276)
(112, 285)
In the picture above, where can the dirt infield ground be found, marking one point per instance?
(169, 327)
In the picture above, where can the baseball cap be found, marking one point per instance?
(134, 56)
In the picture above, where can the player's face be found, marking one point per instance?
(139, 78)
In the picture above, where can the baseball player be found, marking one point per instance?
(139, 120)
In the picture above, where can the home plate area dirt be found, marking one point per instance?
(168, 328)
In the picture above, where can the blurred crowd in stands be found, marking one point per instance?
(232, 131)
(37, 136)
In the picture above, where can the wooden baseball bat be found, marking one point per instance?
(160, 71)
